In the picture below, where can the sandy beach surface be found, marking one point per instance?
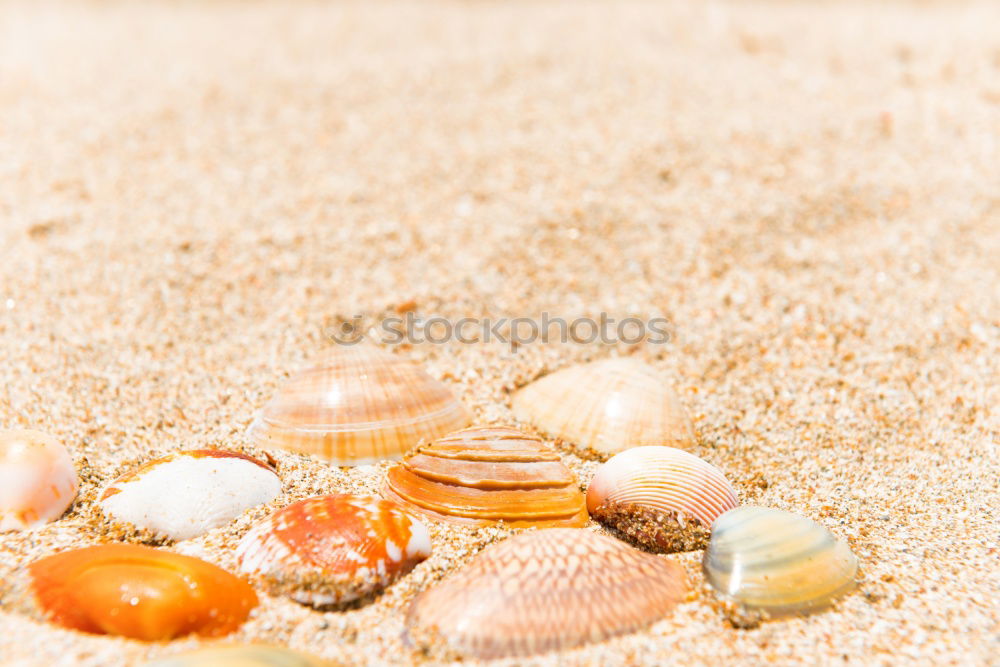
(192, 193)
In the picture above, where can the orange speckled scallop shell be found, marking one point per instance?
(333, 549)
(358, 405)
(546, 590)
(479, 476)
(139, 592)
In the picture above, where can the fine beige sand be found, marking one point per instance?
(191, 192)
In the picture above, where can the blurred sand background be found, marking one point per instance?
(810, 192)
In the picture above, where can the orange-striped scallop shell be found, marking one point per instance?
(333, 549)
(479, 476)
(139, 592)
(662, 498)
(606, 406)
(358, 405)
(546, 590)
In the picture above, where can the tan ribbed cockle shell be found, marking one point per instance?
(606, 406)
(545, 590)
(662, 498)
(482, 475)
(358, 405)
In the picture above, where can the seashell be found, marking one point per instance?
(37, 479)
(252, 655)
(606, 406)
(333, 549)
(661, 498)
(478, 476)
(776, 561)
(139, 592)
(546, 590)
(184, 494)
(356, 406)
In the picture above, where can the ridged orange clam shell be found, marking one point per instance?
(358, 405)
(333, 549)
(606, 406)
(546, 590)
(139, 592)
(482, 475)
(660, 497)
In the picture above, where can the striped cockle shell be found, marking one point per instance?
(482, 475)
(777, 562)
(37, 479)
(545, 590)
(329, 550)
(187, 493)
(139, 592)
(661, 498)
(606, 406)
(358, 405)
(250, 655)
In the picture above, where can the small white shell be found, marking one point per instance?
(606, 406)
(37, 479)
(185, 494)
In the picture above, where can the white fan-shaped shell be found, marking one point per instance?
(185, 494)
(606, 406)
(664, 479)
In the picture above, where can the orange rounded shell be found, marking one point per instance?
(547, 590)
(481, 475)
(333, 549)
(139, 592)
(356, 406)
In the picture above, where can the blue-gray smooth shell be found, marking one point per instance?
(777, 561)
